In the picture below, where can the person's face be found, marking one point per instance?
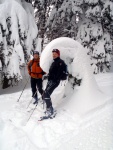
(55, 55)
(36, 56)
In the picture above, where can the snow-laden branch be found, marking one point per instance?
(18, 33)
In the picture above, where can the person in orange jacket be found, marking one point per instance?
(36, 73)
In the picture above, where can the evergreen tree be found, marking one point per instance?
(42, 9)
(62, 19)
(18, 33)
(94, 33)
(87, 21)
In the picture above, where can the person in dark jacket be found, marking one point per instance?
(54, 77)
(36, 74)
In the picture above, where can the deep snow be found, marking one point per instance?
(68, 131)
(84, 115)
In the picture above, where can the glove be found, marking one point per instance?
(43, 73)
(45, 77)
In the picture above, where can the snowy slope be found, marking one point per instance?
(68, 131)
(84, 117)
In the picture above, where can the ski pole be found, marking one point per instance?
(32, 113)
(43, 99)
(43, 104)
(31, 99)
(23, 90)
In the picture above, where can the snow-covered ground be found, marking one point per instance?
(68, 131)
(84, 116)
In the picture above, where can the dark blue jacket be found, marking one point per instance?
(56, 70)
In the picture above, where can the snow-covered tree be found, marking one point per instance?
(87, 21)
(63, 19)
(18, 33)
(41, 10)
(94, 32)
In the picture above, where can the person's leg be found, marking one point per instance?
(48, 91)
(33, 87)
(39, 86)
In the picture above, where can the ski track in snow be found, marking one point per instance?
(91, 131)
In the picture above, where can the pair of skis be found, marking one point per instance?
(48, 117)
(45, 117)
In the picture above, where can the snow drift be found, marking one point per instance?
(88, 95)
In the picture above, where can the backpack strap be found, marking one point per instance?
(31, 63)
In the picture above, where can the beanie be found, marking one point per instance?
(56, 51)
(35, 52)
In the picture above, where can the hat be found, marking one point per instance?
(56, 51)
(35, 52)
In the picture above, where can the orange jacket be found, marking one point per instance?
(34, 69)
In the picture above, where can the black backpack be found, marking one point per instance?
(65, 73)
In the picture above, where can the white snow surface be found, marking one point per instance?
(84, 115)
(92, 130)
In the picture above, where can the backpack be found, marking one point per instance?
(30, 65)
(65, 73)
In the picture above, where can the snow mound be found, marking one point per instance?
(88, 95)
(92, 131)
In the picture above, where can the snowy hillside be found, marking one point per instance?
(84, 114)
(68, 131)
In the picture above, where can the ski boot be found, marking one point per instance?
(36, 100)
